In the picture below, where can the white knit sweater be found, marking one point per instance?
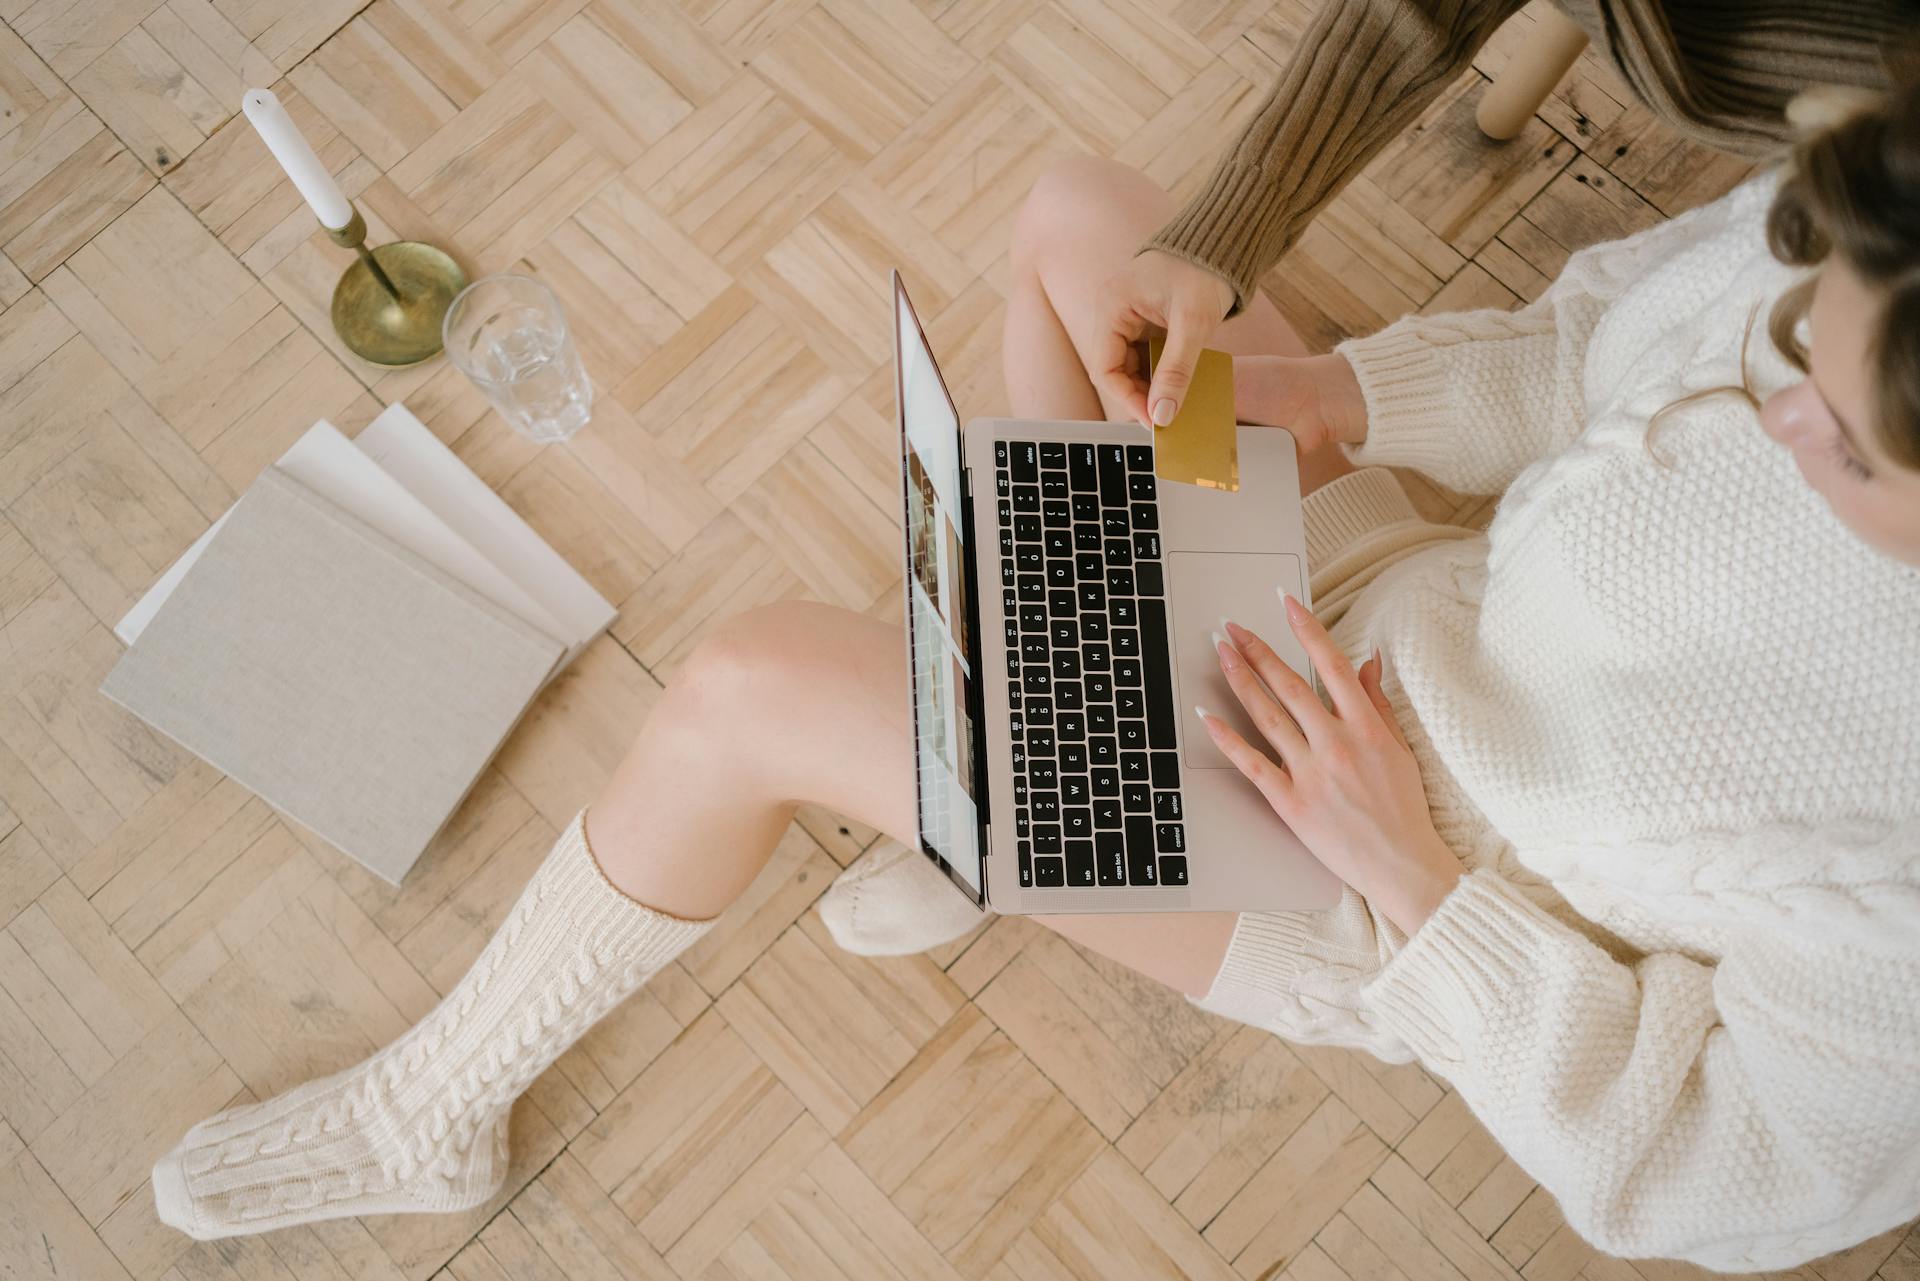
(1670, 719)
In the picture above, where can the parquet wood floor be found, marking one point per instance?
(716, 188)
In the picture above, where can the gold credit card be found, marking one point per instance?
(1201, 446)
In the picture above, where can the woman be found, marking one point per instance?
(1630, 827)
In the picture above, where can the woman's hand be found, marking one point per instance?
(1317, 398)
(1347, 784)
(1155, 289)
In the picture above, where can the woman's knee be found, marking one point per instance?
(1075, 199)
(764, 660)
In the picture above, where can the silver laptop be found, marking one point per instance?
(1061, 604)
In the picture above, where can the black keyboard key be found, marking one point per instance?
(1119, 582)
(1173, 870)
(1026, 498)
(1140, 852)
(1046, 838)
(1080, 469)
(1106, 782)
(1137, 797)
(1030, 560)
(1006, 542)
(1130, 703)
(1072, 727)
(1058, 542)
(1140, 487)
(1026, 528)
(1148, 579)
(1127, 672)
(1055, 514)
(1034, 649)
(1060, 603)
(1166, 770)
(1073, 789)
(1060, 573)
(1044, 806)
(1102, 750)
(1110, 856)
(1040, 742)
(1063, 632)
(1035, 680)
(1114, 524)
(1086, 508)
(999, 453)
(1026, 865)
(1077, 821)
(1066, 696)
(1002, 484)
(1049, 872)
(1166, 807)
(1100, 719)
(1080, 862)
(1099, 688)
(1019, 790)
(1140, 458)
(1094, 627)
(1123, 612)
(1134, 767)
(1146, 516)
(1126, 642)
(1019, 754)
(1170, 837)
(1073, 756)
(1053, 454)
(1086, 538)
(1038, 711)
(1066, 666)
(1022, 826)
(1006, 511)
(1088, 566)
(1025, 464)
(1042, 776)
(1153, 647)
(1133, 735)
(1106, 812)
(1112, 461)
(1006, 573)
(1053, 484)
(1119, 553)
(1095, 657)
(1146, 546)
(1032, 587)
(1012, 632)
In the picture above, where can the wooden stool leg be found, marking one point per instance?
(1530, 75)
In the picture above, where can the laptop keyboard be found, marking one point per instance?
(1096, 771)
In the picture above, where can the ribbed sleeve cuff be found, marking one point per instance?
(1410, 418)
(1481, 944)
(1235, 228)
(1343, 511)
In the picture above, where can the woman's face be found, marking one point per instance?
(1827, 421)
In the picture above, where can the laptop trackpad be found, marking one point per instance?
(1243, 586)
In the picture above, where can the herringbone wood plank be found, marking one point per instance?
(716, 189)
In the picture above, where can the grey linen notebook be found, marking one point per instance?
(352, 685)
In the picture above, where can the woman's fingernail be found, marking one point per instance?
(1229, 656)
(1206, 717)
(1294, 608)
(1163, 411)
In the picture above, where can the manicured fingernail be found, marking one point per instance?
(1294, 608)
(1229, 656)
(1163, 411)
(1206, 717)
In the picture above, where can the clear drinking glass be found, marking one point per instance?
(508, 334)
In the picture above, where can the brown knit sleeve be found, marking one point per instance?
(1363, 71)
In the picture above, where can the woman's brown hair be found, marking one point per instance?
(1853, 190)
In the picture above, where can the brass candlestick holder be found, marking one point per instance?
(388, 306)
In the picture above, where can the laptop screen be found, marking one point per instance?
(938, 610)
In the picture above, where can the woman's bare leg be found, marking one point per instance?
(1084, 220)
(784, 703)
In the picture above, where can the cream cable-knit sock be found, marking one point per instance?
(422, 1125)
(892, 901)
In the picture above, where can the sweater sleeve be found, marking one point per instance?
(1360, 75)
(1472, 398)
(1744, 1115)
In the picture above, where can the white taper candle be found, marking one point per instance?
(290, 147)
